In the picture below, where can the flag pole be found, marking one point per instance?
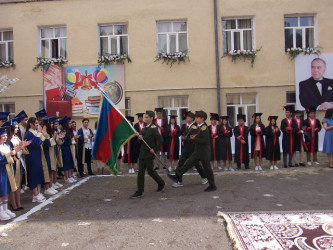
(134, 130)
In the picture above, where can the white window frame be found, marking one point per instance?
(40, 39)
(112, 36)
(177, 109)
(291, 103)
(315, 38)
(241, 105)
(127, 106)
(239, 31)
(2, 108)
(168, 34)
(6, 43)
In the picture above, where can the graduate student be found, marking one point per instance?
(129, 155)
(215, 135)
(161, 123)
(313, 126)
(241, 133)
(85, 138)
(225, 143)
(299, 139)
(172, 142)
(273, 133)
(257, 131)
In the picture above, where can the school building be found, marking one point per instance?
(205, 35)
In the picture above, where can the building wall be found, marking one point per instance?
(271, 76)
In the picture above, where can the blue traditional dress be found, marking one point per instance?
(7, 181)
(328, 139)
(36, 171)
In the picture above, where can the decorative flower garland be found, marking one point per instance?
(41, 62)
(110, 59)
(7, 64)
(242, 54)
(293, 52)
(172, 57)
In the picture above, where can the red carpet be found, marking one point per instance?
(280, 230)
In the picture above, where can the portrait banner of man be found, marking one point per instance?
(314, 81)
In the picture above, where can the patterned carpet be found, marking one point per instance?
(280, 230)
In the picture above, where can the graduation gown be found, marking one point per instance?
(37, 172)
(172, 142)
(215, 142)
(7, 180)
(272, 144)
(129, 155)
(289, 137)
(241, 150)
(254, 140)
(135, 147)
(225, 144)
(46, 148)
(66, 154)
(299, 136)
(312, 145)
(162, 128)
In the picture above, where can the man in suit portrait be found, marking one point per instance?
(317, 91)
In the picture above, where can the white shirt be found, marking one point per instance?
(159, 123)
(213, 129)
(319, 86)
(87, 133)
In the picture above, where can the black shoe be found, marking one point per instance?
(136, 195)
(61, 174)
(173, 177)
(291, 165)
(210, 188)
(302, 164)
(157, 168)
(91, 174)
(285, 166)
(20, 208)
(164, 168)
(160, 187)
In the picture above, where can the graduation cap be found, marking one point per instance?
(4, 115)
(158, 110)
(20, 116)
(65, 120)
(241, 116)
(173, 116)
(201, 113)
(226, 117)
(11, 122)
(48, 119)
(298, 112)
(256, 114)
(41, 113)
(130, 118)
(272, 117)
(214, 116)
(3, 130)
(140, 114)
(311, 109)
(289, 108)
(188, 113)
(54, 119)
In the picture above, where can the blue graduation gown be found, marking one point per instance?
(33, 160)
(4, 182)
(46, 148)
(67, 157)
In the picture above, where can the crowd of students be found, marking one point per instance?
(33, 150)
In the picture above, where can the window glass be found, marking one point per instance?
(106, 30)
(306, 21)
(233, 99)
(290, 22)
(7, 35)
(162, 43)
(179, 26)
(104, 45)
(47, 33)
(164, 27)
(244, 23)
(249, 98)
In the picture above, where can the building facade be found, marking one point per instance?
(83, 30)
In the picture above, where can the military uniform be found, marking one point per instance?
(154, 140)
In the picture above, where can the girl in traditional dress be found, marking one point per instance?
(328, 139)
(257, 131)
(273, 153)
(16, 145)
(7, 180)
(225, 144)
(37, 171)
(66, 152)
(172, 142)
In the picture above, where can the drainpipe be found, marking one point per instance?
(217, 60)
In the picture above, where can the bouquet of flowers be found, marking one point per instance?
(109, 59)
(172, 57)
(41, 62)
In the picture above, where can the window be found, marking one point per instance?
(241, 104)
(6, 45)
(238, 34)
(299, 32)
(174, 105)
(53, 42)
(291, 98)
(127, 106)
(171, 37)
(113, 40)
(8, 107)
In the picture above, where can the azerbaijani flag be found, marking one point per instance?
(113, 131)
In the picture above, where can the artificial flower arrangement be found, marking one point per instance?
(293, 52)
(110, 59)
(172, 57)
(7, 64)
(41, 62)
(242, 54)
